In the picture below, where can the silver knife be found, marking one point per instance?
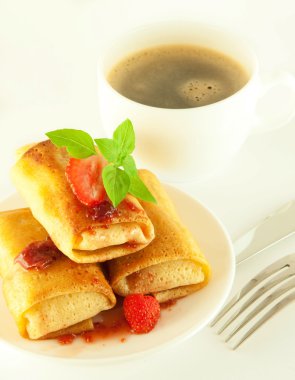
(272, 229)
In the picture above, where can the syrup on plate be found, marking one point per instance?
(109, 324)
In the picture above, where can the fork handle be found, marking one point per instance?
(275, 227)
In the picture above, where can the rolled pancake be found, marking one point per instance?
(172, 265)
(76, 329)
(39, 175)
(47, 302)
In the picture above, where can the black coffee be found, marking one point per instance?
(177, 76)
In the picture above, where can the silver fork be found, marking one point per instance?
(280, 272)
(269, 231)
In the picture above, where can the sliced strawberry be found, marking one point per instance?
(84, 176)
(141, 312)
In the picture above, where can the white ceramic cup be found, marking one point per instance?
(183, 145)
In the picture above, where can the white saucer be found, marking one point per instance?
(186, 318)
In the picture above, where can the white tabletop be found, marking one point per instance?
(48, 53)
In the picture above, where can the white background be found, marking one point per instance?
(48, 55)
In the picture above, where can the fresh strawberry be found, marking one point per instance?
(141, 312)
(84, 176)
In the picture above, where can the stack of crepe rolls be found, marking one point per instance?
(53, 301)
(172, 265)
(144, 248)
(39, 176)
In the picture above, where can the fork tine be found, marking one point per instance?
(277, 307)
(280, 277)
(268, 271)
(283, 289)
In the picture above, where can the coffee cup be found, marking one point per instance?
(191, 144)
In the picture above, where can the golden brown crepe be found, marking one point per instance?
(47, 302)
(76, 329)
(39, 175)
(172, 265)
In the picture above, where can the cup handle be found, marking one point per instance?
(274, 110)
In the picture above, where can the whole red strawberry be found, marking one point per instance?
(141, 312)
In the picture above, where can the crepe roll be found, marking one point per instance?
(172, 266)
(81, 232)
(47, 300)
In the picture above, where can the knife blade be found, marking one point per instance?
(275, 227)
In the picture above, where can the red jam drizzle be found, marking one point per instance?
(103, 332)
(95, 281)
(109, 324)
(66, 339)
(104, 212)
(131, 245)
(38, 255)
(130, 206)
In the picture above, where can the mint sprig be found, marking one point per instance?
(108, 148)
(79, 144)
(124, 138)
(116, 182)
(120, 176)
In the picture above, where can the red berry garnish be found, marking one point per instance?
(84, 176)
(141, 312)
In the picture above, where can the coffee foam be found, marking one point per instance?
(200, 92)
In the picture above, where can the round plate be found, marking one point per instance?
(186, 318)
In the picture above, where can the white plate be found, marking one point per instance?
(186, 318)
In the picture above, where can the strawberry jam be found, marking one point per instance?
(130, 206)
(103, 212)
(38, 255)
(108, 324)
(102, 331)
(66, 339)
(131, 245)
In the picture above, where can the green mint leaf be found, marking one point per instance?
(116, 183)
(139, 190)
(120, 175)
(124, 137)
(129, 166)
(108, 149)
(79, 144)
